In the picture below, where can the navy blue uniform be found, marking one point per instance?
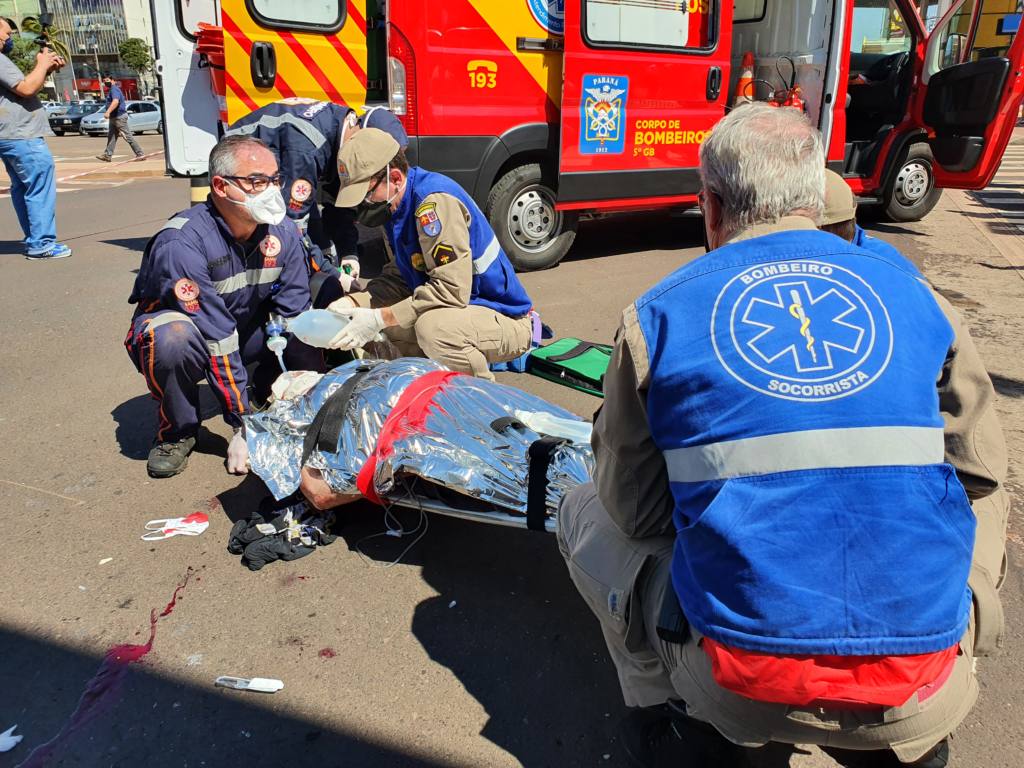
(202, 300)
(306, 135)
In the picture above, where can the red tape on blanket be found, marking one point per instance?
(408, 416)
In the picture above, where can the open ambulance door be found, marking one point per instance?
(969, 95)
(282, 49)
(643, 82)
(190, 112)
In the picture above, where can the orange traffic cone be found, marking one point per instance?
(745, 84)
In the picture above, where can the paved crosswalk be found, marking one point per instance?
(1005, 195)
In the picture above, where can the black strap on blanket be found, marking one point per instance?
(540, 453)
(577, 351)
(325, 430)
(500, 425)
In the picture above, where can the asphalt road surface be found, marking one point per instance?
(475, 650)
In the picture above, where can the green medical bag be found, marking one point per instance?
(572, 362)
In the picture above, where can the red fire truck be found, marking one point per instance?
(548, 109)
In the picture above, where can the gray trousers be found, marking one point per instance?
(623, 581)
(118, 126)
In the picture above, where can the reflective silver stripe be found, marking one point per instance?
(217, 348)
(814, 449)
(168, 317)
(304, 127)
(178, 222)
(487, 258)
(224, 346)
(247, 278)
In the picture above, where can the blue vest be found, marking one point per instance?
(495, 284)
(863, 240)
(793, 395)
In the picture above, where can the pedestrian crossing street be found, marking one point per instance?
(1005, 195)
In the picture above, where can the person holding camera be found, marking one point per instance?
(23, 149)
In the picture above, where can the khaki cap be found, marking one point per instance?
(839, 203)
(366, 153)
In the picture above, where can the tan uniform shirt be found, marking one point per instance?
(445, 257)
(632, 480)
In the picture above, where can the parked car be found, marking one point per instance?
(70, 121)
(55, 108)
(142, 116)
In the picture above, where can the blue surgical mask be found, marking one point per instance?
(8, 45)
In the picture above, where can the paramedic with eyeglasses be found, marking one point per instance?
(448, 291)
(306, 136)
(209, 280)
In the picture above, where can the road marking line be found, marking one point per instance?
(78, 502)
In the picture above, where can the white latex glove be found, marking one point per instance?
(350, 266)
(341, 305)
(238, 454)
(364, 324)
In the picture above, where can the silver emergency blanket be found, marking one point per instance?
(456, 462)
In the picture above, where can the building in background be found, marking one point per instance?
(95, 30)
(16, 10)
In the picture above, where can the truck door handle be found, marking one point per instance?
(714, 87)
(263, 65)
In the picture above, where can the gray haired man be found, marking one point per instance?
(798, 470)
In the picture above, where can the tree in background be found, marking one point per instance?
(24, 53)
(53, 36)
(135, 54)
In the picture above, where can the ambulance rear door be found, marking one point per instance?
(643, 82)
(969, 92)
(284, 49)
(190, 112)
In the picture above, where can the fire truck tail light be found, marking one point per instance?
(397, 81)
(402, 79)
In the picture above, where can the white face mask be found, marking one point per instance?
(266, 207)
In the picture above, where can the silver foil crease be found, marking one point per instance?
(454, 463)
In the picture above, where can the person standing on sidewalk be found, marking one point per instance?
(23, 124)
(117, 122)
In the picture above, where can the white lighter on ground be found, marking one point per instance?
(260, 684)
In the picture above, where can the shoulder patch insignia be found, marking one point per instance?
(418, 263)
(301, 190)
(187, 292)
(426, 215)
(443, 254)
(270, 246)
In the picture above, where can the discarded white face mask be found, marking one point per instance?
(266, 207)
(193, 525)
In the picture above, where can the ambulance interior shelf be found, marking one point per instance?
(796, 30)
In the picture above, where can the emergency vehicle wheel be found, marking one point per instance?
(521, 210)
(912, 193)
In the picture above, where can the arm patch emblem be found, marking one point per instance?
(443, 254)
(426, 215)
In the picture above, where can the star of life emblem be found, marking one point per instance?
(801, 330)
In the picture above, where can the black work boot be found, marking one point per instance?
(665, 736)
(170, 458)
(642, 730)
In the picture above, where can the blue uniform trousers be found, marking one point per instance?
(168, 350)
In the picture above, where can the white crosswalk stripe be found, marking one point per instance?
(1005, 195)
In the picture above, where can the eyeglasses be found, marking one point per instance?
(376, 183)
(258, 182)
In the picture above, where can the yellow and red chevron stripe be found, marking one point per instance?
(314, 65)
